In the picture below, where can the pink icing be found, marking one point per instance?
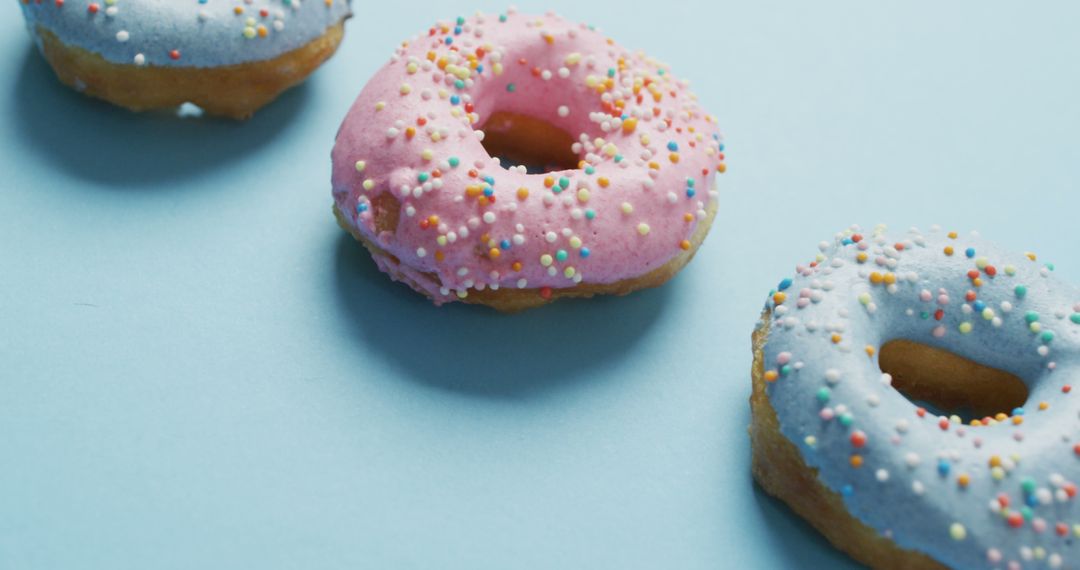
(630, 208)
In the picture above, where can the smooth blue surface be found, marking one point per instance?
(197, 370)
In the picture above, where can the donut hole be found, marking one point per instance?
(947, 384)
(536, 144)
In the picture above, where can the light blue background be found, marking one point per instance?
(198, 370)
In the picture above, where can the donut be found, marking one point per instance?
(227, 57)
(912, 399)
(512, 160)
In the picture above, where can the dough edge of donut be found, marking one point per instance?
(779, 470)
(509, 301)
(233, 91)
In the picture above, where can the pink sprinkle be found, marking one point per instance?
(939, 331)
(926, 296)
(993, 556)
(783, 358)
(802, 302)
(943, 299)
(1038, 525)
(827, 414)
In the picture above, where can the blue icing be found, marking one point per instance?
(206, 33)
(908, 484)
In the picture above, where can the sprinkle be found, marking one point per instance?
(957, 531)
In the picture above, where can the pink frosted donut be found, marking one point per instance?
(629, 159)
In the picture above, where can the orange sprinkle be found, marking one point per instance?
(836, 338)
(603, 182)
(890, 278)
(779, 298)
(952, 235)
(861, 257)
(494, 253)
(856, 461)
(549, 181)
(516, 266)
(771, 375)
(522, 193)
(949, 250)
(876, 278)
(685, 244)
(963, 480)
(870, 351)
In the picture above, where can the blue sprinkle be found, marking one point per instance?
(505, 244)
(455, 100)
(1018, 411)
(978, 306)
(361, 208)
(449, 40)
(847, 490)
(585, 252)
(970, 252)
(785, 284)
(690, 192)
(943, 467)
(673, 146)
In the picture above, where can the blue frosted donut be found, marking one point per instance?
(179, 34)
(923, 487)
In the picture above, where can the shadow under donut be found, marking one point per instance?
(797, 543)
(477, 351)
(98, 142)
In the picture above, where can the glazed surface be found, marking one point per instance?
(186, 33)
(649, 156)
(993, 492)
